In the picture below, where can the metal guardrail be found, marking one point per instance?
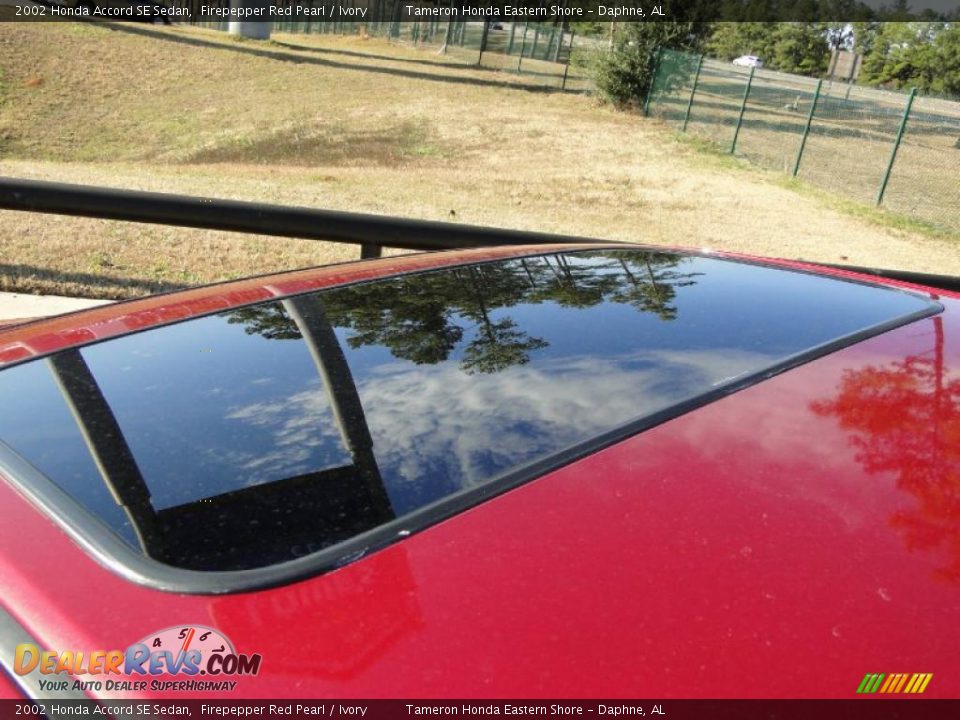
(371, 232)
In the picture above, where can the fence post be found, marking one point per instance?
(449, 35)
(653, 81)
(566, 68)
(523, 45)
(806, 129)
(693, 91)
(896, 145)
(743, 109)
(483, 40)
(450, 27)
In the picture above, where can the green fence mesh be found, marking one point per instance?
(673, 84)
(775, 118)
(851, 138)
(853, 132)
(717, 102)
(925, 181)
(540, 52)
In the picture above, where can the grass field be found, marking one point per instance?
(366, 126)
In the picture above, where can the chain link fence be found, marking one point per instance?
(893, 149)
(540, 52)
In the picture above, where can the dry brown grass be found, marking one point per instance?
(366, 126)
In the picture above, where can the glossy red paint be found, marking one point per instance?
(780, 542)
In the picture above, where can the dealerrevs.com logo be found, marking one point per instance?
(185, 658)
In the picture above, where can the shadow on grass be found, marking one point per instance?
(465, 65)
(373, 56)
(245, 49)
(30, 278)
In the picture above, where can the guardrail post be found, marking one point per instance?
(693, 91)
(896, 145)
(370, 250)
(653, 81)
(743, 109)
(806, 129)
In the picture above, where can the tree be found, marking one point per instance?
(624, 74)
(925, 55)
(801, 48)
(794, 47)
(729, 40)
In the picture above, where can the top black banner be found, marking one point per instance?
(553, 11)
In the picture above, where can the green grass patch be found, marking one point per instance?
(878, 216)
(719, 155)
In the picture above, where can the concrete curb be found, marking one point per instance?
(14, 306)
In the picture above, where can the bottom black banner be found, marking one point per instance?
(393, 709)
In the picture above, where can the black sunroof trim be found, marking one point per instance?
(112, 552)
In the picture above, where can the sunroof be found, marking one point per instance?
(286, 437)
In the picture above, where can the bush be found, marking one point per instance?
(624, 73)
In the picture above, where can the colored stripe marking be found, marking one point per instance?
(891, 679)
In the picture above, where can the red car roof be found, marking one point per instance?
(779, 542)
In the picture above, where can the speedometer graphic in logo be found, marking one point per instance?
(183, 638)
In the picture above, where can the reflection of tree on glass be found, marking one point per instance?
(424, 318)
(498, 343)
(270, 320)
(651, 283)
(905, 418)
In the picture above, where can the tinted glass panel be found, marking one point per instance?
(259, 435)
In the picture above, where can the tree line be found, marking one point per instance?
(899, 50)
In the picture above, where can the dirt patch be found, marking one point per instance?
(388, 146)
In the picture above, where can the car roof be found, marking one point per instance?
(335, 422)
(767, 535)
(750, 539)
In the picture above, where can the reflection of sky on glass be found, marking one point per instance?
(213, 405)
(228, 391)
(36, 422)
